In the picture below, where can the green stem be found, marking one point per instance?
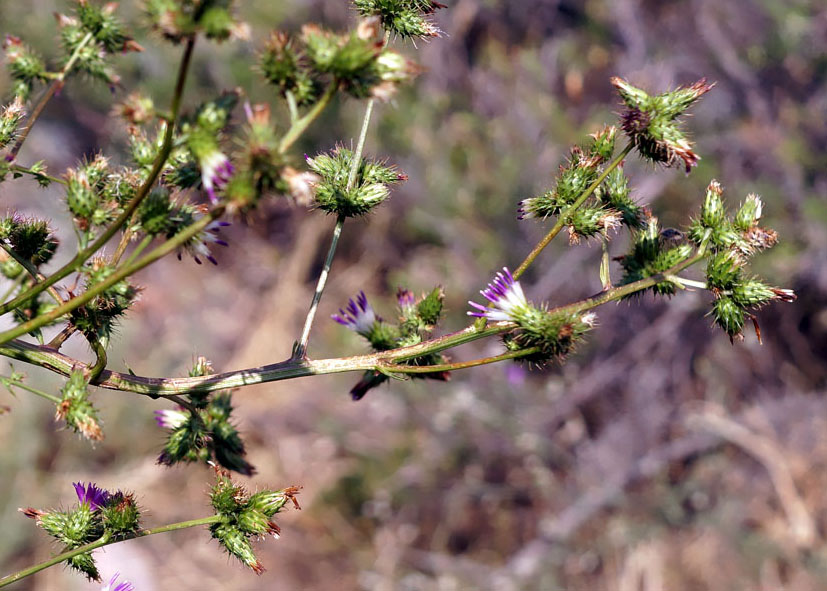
(24, 170)
(360, 146)
(563, 218)
(100, 359)
(420, 369)
(683, 282)
(300, 125)
(292, 107)
(300, 349)
(9, 382)
(57, 342)
(138, 250)
(118, 275)
(50, 91)
(105, 541)
(14, 286)
(31, 270)
(163, 153)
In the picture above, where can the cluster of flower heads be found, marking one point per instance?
(652, 122)
(246, 516)
(609, 206)
(98, 513)
(178, 20)
(549, 334)
(727, 242)
(406, 18)
(99, 316)
(334, 193)
(730, 242)
(203, 432)
(92, 34)
(416, 320)
(357, 62)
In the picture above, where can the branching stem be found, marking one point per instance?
(295, 368)
(105, 541)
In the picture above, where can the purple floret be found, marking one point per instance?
(91, 495)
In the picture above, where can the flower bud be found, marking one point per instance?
(24, 66)
(30, 238)
(154, 212)
(236, 543)
(10, 119)
(121, 515)
(603, 142)
(76, 410)
(369, 188)
(729, 316)
(588, 222)
(712, 211)
(614, 192)
(722, 270)
(749, 213)
(754, 293)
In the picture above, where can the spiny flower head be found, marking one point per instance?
(651, 122)
(370, 187)
(32, 239)
(246, 516)
(24, 66)
(573, 178)
(507, 296)
(10, 119)
(76, 410)
(406, 18)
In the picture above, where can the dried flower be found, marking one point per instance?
(301, 186)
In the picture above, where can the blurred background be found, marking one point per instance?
(658, 457)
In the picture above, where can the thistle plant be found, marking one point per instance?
(187, 175)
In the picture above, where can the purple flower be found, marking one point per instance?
(199, 245)
(506, 295)
(91, 495)
(216, 170)
(405, 298)
(170, 419)
(111, 586)
(358, 315)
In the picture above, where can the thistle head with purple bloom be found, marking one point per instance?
(358, 315)
(91, 495)
(506, 295)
